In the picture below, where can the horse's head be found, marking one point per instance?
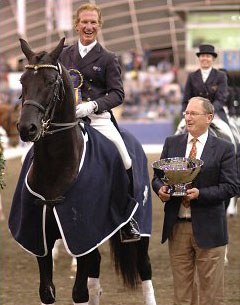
(42, 88)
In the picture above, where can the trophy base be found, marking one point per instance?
(179, 190)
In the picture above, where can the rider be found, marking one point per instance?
(102, 88)
(209, 83)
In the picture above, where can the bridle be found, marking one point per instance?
(50, 109)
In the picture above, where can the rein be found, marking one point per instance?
(50, 109)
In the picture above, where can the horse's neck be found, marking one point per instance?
(56, 163)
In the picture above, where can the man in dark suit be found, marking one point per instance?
(196, 226)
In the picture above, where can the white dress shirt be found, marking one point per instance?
(83, 50)
(205, 73)
(201, 141)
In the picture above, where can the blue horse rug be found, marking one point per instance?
(142, 190)
(95, 207)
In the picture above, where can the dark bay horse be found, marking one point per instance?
(73, 184)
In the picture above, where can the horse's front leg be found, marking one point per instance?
(45, 264)
(46, 289)
(94, 288)
(80, 289)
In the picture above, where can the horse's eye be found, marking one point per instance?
(51, 82)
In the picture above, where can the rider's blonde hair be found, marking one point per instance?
(88, 7)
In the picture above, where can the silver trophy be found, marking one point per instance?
(177, 173)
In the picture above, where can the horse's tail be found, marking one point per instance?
(125, 258)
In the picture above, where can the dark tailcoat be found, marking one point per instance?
(101, 75)
(215, 89)
(217, 181)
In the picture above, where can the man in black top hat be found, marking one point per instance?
(211, 84)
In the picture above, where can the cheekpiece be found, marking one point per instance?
(177, 173)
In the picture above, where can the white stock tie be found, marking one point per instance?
(83, 52)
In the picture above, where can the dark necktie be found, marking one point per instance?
(192, 155)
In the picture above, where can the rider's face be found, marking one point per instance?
(206, 61)
(87, 26)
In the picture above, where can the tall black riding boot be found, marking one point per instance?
(130, 232)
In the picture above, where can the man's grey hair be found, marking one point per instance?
(207, 105)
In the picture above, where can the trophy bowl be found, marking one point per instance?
(177, 173)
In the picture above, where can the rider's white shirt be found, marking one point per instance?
(205, 73)
(83, 50)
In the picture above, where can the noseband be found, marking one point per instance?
(50, 109)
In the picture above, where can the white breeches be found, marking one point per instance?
(102, 122)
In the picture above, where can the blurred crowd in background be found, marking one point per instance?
(152, 91)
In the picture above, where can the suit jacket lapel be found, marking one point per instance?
(211, 76)
(199, 80)
(76, 57)
(180, 149)
(90, 57)
(208, 149)
(206, 155)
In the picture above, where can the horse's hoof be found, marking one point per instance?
(47, 295)
(94, 295)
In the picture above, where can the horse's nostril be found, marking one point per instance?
(33, 128)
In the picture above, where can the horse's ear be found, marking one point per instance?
(57, 51)
(26, 49)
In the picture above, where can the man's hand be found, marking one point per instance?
(193, 193)
(163, 193)
(85, 109)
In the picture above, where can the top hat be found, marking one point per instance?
(206, 49)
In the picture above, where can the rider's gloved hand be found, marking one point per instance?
(85, 109)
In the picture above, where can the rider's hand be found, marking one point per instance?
(85, 109)
(163, 193)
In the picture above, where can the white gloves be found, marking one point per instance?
(85, 109)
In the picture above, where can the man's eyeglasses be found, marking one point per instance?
(193, 113)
